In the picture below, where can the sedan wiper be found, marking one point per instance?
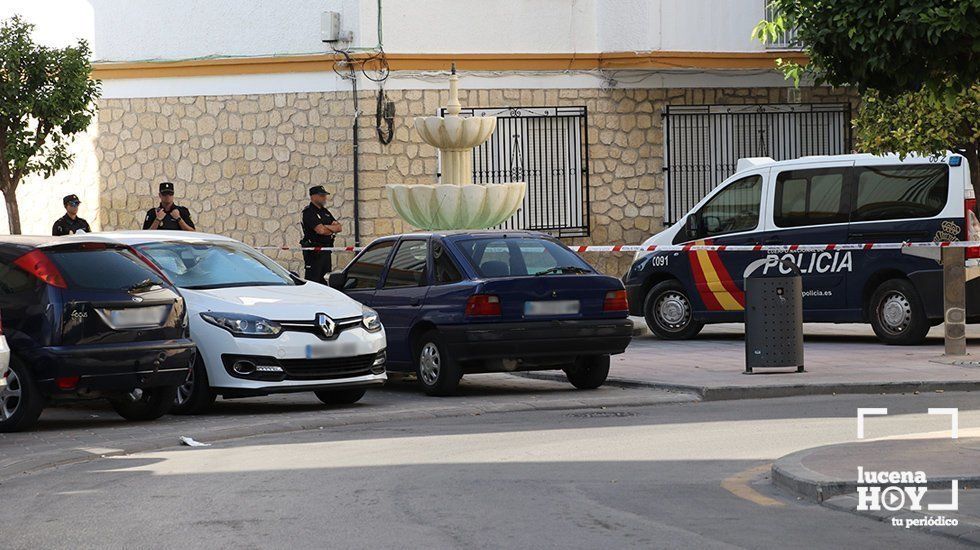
(144, 284)
(562, 269)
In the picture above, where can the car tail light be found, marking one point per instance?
(67, 382)
(972, 227)
(149, 263)
(482, 305)
(615, 301)
(39, 265)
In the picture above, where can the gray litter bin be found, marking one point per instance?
(774, 321)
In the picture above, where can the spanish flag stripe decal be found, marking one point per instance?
(714, 284)
(710, 302)
(726, 279)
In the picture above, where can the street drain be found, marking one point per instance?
(602, 414)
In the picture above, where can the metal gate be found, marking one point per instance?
(702, 143)
(547, 148)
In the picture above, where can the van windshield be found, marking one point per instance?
(520, 257)
(207, 265)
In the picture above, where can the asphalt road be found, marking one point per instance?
(649, 477)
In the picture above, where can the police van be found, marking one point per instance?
(816, 200)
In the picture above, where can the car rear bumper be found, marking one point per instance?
(537, 339)
(111, 367)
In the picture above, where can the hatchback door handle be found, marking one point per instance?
(416, 302)
(773, 240)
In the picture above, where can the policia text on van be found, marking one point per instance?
(816, 200)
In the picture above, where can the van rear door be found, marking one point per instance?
(898, 202)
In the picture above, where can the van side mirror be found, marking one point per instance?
(337, 280)
(692, 225)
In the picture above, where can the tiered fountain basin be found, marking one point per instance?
(457, 203)
(449, 206)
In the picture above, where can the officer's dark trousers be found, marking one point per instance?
(318, 264)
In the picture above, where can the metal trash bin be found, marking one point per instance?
(774, 321)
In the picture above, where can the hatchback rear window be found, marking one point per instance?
(102, 269)
(517, 257)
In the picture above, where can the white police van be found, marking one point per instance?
(817, 200)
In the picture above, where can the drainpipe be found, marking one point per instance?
(357, 154)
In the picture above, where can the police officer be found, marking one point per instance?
(168, 215)
(319, 228)
(70, 223)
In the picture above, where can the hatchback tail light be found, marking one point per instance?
(482, 305)
(972, 227)
(615, 301)
(40, 266)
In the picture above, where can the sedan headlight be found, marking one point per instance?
(370, 319)
(241, 324)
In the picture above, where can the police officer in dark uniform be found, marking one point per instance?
(168, 215)
(319, 228)
(70, 223)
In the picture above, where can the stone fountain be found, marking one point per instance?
(457, 202)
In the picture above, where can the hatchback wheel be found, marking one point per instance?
(194, 396)
(20, 401)
(896, 313)
(669, 313)
(438, 374)
(145, 404)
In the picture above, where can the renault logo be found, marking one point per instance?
(326, 325)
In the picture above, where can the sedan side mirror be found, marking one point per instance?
(337, 280)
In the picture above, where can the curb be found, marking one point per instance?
(789, 473)
(966, 532)
(63, 457)
(729, 393)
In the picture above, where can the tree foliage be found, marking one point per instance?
(914, 122)
(893, 46)
(46, 96)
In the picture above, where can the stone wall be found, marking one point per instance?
(243, 164)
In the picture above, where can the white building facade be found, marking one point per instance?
(618, 113)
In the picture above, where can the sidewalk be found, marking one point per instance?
(829, 475)
(839, 359)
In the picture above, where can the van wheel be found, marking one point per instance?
(144, 404)
(669, 313)
(194, 396)
(438, 373)
(897, 315)
(20, 401)
(589, 372)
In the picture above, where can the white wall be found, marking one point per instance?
(179, 29)
(58, 23)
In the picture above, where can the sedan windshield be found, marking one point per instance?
(204, 265)
(520, 257)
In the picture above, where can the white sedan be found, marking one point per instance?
(260, 329)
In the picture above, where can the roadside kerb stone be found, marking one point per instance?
(727, 393)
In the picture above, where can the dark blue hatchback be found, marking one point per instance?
(454, 303)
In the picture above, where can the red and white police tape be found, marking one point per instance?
(705, 247)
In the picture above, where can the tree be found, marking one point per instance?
(915, 122)
(916, 63)
(46, 97)
(893, 46)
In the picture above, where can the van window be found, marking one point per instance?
(366, 271)
(810, 197)
(734, 209)
(896, 192)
